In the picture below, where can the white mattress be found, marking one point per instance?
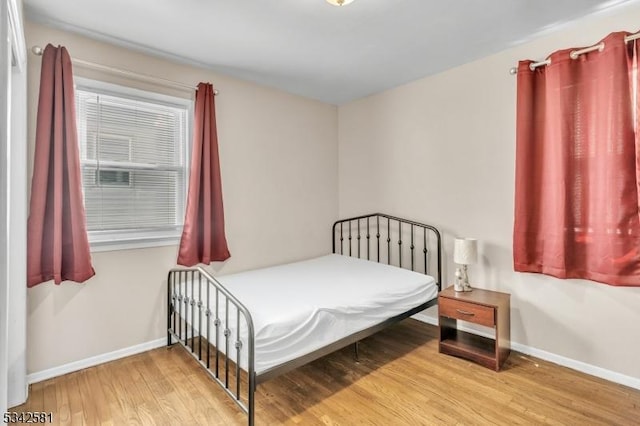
(299, 307)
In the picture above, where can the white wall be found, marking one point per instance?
(17, 267)
(5, 99)
(13, 389)
(441, 150)
(279, 171)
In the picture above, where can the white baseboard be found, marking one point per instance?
(94, 360)
(583, 367)
(426, 318)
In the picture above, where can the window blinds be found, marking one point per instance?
(133, 159)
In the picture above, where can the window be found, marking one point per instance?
(133, 156)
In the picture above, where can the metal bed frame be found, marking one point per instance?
(351, 237)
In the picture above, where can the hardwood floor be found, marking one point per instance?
(401, 379)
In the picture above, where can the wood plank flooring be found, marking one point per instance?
(400, 379)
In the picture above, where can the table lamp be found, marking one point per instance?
(465, 252)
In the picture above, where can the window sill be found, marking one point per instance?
(131, 244)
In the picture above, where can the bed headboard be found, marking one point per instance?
(392, 240)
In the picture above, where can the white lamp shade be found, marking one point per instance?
(465, 251)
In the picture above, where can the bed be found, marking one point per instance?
(249, 327)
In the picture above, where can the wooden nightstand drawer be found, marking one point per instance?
(466, 311)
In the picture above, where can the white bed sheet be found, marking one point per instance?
(299, 307)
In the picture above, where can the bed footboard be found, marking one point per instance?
(216, 329)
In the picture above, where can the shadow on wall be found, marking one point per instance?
(62, 294)
(448, 267)
(580, 343)
(497, 274)
(492, 258)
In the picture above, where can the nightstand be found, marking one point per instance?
(483, 307)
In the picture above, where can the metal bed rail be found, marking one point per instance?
(199, 309)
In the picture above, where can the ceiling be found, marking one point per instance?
(311, 48)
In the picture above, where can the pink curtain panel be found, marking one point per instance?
(57, 243)
(203, 237)
(577, 163)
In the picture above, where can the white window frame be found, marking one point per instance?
(132, 239)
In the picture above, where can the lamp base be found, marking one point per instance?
(462, 280)
(458, 284)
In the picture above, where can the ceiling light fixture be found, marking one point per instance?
(339, 2)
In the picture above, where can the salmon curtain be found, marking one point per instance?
(577, 164)
(57, 242)
(203, 237)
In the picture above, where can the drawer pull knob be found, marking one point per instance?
(465, 312)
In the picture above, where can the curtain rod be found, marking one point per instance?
(575, 53)
(37, 50)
